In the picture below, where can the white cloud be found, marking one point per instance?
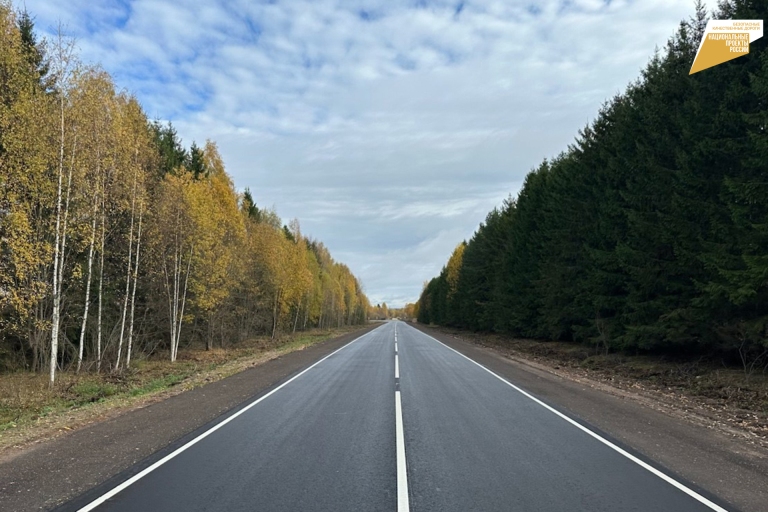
(379, 124)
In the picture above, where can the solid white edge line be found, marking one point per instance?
(397, 368)
(98, 501)
(690, 492)
(402, 467)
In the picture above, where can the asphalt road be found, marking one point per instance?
(396, 420)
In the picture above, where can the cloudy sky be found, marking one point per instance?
(389, 128)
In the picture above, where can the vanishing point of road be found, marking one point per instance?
(395, 420)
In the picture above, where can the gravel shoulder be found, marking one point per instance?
(46, 474)
(710, 455)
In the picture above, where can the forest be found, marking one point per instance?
(118, 242)
(649, 234)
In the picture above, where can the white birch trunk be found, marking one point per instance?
(275, 313)
(176, 288)
(296, 319)
(183, 297)
(87, 303)
(101, 273)
(56, 298)
(127, 276)
(133, 293)
(61, 243)
(63, 55)
(171, 299)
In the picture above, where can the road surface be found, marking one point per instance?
(396, 420)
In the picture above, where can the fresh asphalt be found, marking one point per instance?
(327, 440)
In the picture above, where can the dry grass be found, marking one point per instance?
(30, 411)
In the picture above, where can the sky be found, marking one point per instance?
(389, 128)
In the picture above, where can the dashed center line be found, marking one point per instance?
(403, 504)
(402, 473)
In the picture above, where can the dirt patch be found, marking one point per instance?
(701, 391)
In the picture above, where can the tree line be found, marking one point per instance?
(116, 240)
(407, 312)
(650, 232)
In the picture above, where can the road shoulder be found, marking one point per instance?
(728, 466)
(47, 474)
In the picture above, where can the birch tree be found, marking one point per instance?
(139, 148)
(173, 233)
(63, 64)
(219, 233)
(97, 96)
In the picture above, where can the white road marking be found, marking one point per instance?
(690, 492)
(98, 501)
(395, 347)
(397, 368)
(402, 468)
